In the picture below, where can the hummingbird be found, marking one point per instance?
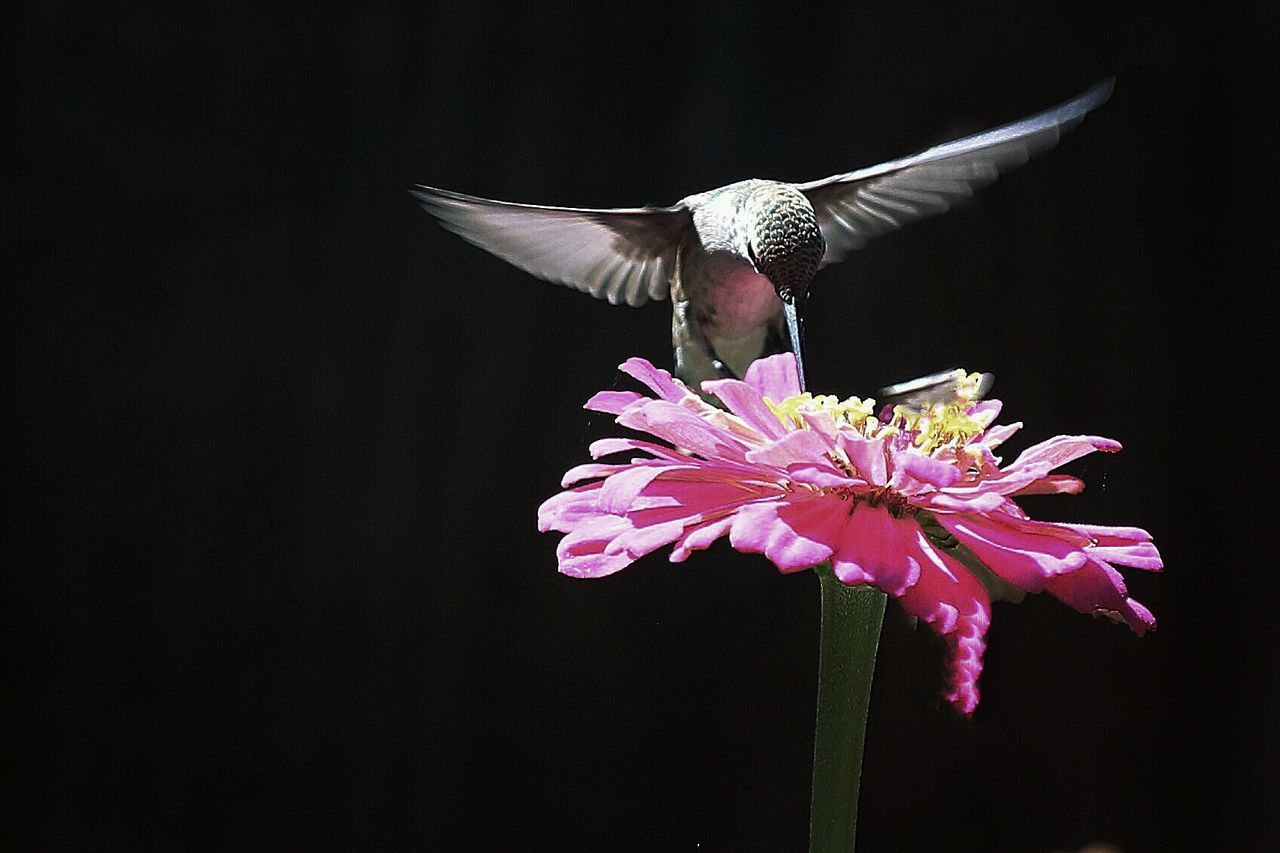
(737, 261)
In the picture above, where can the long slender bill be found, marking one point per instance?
(794, 310)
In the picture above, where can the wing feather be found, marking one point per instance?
(854, 207)
(622, 255)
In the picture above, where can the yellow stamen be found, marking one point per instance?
(853, 411)
(947, 424)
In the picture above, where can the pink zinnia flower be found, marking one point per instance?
(903, 502)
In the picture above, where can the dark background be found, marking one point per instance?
(271, 577)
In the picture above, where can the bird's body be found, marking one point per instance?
(746, 242)
(737, 260)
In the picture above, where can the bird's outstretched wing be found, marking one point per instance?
(622, 255)
(856, 206)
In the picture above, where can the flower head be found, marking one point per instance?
(913, 502)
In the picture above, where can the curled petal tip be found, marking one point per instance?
(965, 701)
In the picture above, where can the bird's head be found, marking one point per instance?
(784, 242)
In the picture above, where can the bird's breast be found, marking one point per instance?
(728, 297)
(744, 300)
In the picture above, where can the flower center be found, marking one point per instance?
(930, 428)
(881, 496)
(895, 502)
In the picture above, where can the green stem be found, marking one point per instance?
(851, 619)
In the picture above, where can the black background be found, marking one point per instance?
(271, 574)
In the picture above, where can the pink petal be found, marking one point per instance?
(745, 402)
(821, 475)
(706, 490)
(647, 536)
(792, 448)
(985, 411)
(1036, 463)
(1127, 546)
(1141, 555)
(1025, 555)
(613, 402)
(606, 446)
(1054, 484)
(658, 380)
(569, 508)
(695, 491)
(794, 534)
(867, 455)
(684, 429)
(582, 554)
(607, 530)
(822, 425)
(876, 548)
(971, 501)
(620, 490)
(926, 469)
(1098, 588)
(1059, 450)
(589, 471)
(1104, 535)
(700, 536)
(774, 377)
(1006, 482)
(956, 606)
(575, 507)
(998, 435)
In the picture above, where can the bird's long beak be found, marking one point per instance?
(794, 310)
